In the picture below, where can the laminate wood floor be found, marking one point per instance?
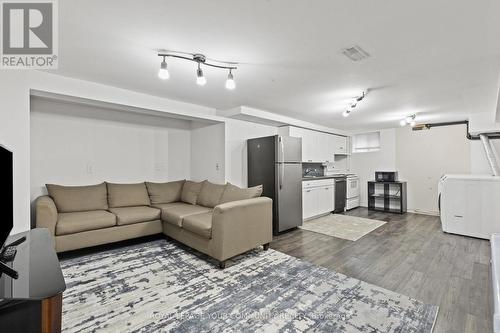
(410, 255)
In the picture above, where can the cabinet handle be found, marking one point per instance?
(308, 191)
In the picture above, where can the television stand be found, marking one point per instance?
(16, 242)
(32, 302)
(8, 254)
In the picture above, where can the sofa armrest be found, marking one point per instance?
(239, 226)
(46, 213)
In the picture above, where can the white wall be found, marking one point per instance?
(422, 157)
(365, 164)
(207, 152)
(237, 132)
(15, 89)
(71, 148)
(479, 162)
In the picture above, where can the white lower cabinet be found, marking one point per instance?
(309, 203)
(326, 199)
(318, 198)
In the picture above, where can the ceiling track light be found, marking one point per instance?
(230, 84)
(163, 72)
(200, 78)
(408, 120)
(353, 105)
(200, 59)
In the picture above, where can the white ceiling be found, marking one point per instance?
(439, 58)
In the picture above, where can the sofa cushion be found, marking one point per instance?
(200, 224)
(167, 206)
(175, 215)
(165, 192)
(71, 223)
(235, 193)
(190, 191)
(130, 215)
(210, 194)
(127, 195)
(78, 198)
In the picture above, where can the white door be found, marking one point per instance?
(352, 187)
(308, 143)
(325, 199)
(340, 144)
(331, 147)
(309, 203)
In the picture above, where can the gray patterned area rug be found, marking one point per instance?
(160, 286)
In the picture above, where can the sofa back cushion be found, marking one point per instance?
(160, 193)
(210, 194)
(127, 195)
(235, 193)
(78, 198)
(190, 192)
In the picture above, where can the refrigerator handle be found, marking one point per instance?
(282, 173)
(282, 150)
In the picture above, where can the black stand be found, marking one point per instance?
(393, 196)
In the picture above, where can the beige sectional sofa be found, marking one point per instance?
(219, 220)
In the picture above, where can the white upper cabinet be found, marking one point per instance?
(318, 146)
(341, 145)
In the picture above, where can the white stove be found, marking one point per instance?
(352, 191)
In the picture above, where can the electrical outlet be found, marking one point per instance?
(90, 169)
(217, 167)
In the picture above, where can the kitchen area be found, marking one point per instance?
(327, 183)
(305, 172)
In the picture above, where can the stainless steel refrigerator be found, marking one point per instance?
(276, 163)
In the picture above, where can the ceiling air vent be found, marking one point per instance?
(355, 53)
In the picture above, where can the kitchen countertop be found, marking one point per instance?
(323, 177)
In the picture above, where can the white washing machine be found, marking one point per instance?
(352, 192)
(470, 205)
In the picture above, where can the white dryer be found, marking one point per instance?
(470, 205)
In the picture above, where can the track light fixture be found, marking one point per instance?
(200, 79)
(353, 105)
(230, 84)
(163, 72)
(200, 59)
(409, 120)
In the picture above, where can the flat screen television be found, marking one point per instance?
(6, 194)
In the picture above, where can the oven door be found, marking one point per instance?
(352, 187)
